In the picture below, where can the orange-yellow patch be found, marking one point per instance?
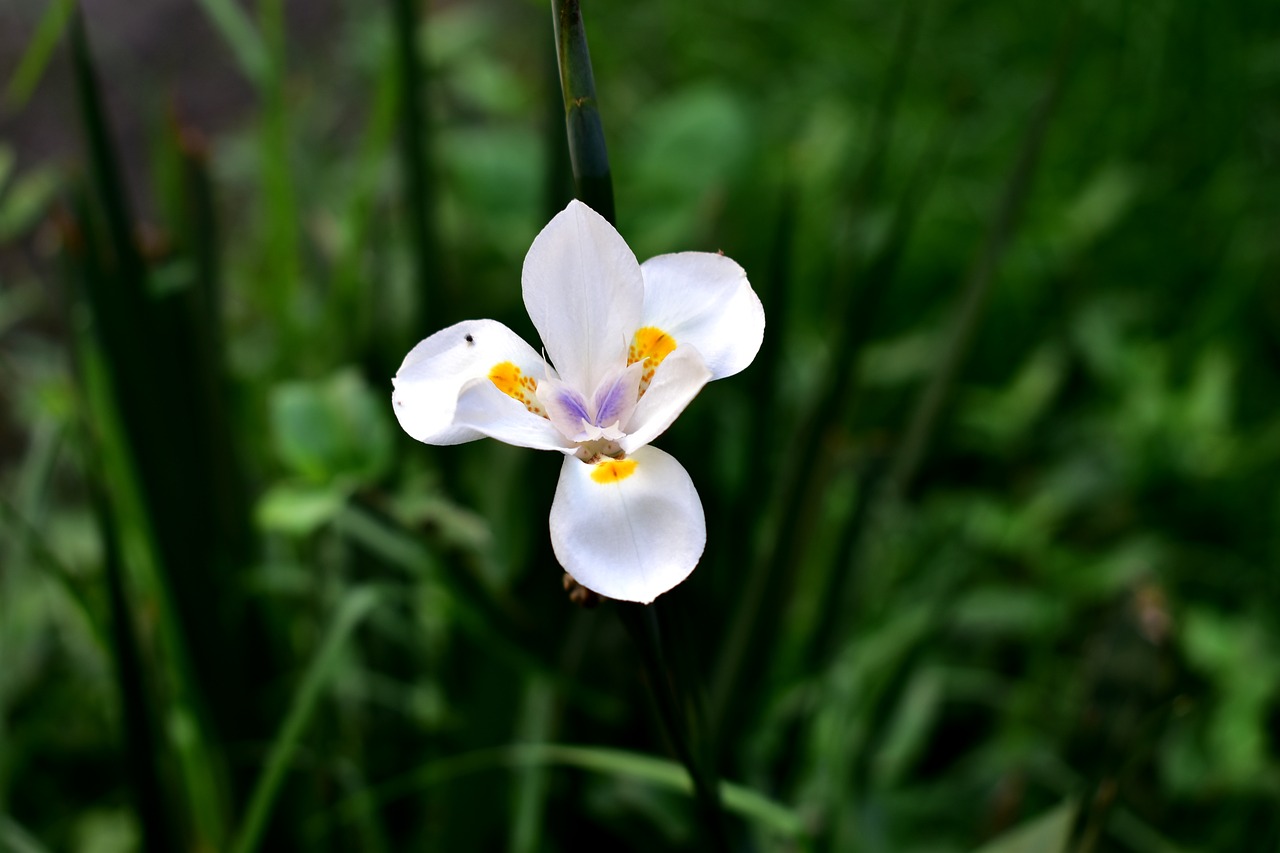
(613, 470)
(512, 381)
(650, 345)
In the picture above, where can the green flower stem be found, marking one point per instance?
(673, 688)
(676, 698)
(587, 151)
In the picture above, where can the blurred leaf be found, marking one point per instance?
(1239, 658)
(1097, 209)
(32, 65)
(1048, 833)
(1008, 611)
(299, 509)
(1006, 416)
(242, 37)
(688, 148)
(332, 430)
(107, 832)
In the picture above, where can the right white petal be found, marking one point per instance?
(704, 299)
(434, 372)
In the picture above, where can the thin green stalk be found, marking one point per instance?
(283, 272)
(355, 606)
(352, 309)
(925, 417)
(804, 488)
(415, 138)
(587, 152)
(681, 712)
(530, 786)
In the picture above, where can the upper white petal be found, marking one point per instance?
(583, 290)
(705, 299)
(675, 383)
(631, 537)
(432, 375)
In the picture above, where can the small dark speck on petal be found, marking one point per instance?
(470, 339)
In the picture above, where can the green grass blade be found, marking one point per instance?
(154, 341)
(587, 150)
(768, 815)
(1046, 833)
(15, 839)
(537, 717)
(354, 608)
(245, 41)
(36, 58)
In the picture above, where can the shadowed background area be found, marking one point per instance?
(993, 519)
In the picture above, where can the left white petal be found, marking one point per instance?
(628, 529)
(705, 299)
(675, 383)
(434, 372)
(583, 290)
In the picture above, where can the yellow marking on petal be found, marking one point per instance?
(613, 470)
(651, 345)
(511, 381)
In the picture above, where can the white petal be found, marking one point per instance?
(676, 381)
(628, 529)
(704, 299)
(583, 290)
(488, 411)
(434, 373)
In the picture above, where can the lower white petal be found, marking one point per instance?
(629, 529)
(435, 372)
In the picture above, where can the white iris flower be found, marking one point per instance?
(630, 345)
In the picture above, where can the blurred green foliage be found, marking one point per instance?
(994, 526)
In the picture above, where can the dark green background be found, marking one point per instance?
(994, 523)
